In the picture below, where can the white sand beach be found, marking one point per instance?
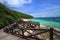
(25, 19)
(42, 26)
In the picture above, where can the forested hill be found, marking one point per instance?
(8, 16)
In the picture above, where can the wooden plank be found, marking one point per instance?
(5, 36)
(51, 33)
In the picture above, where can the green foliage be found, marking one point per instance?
(8, 16)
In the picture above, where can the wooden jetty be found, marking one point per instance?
(16, 30)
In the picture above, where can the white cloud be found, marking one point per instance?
(2, 1)
(26, 1)
(17, 3)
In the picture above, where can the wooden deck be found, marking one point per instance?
(12, 27)
(5, 36)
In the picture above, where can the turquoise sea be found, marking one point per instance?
(51, 22)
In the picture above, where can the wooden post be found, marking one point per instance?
(51, 33)
(22, 32)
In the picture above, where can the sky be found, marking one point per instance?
(36, 8)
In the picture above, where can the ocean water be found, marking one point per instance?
(50, 22)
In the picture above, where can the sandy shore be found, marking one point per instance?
(42, 26)
(25, 19)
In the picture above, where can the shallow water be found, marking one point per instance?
(48, 23)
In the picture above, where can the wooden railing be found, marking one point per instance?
(52, 31)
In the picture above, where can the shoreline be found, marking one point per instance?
(48, 26)
(41, 25)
